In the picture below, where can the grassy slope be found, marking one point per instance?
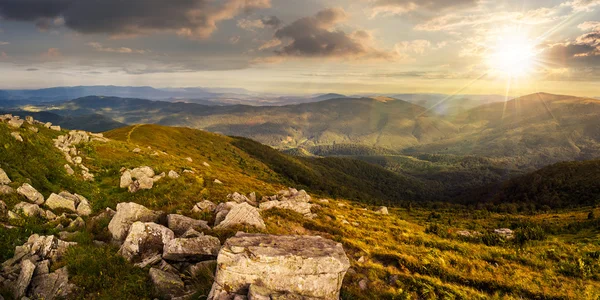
(418, 247)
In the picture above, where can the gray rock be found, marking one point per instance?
(382, 210)
(55, 202)
(300, 196)
(127, 214)
(205, 164)
(220, 216)
(173, 174)
(142, 172)
(300, 207)
(69, 170)
(308, 266)
(207, 266)
(15, 122)
(17, 136)
(217, 181)
(204, 206)
(48, 124)
(184, 249)
(166, 284)
(5, 190)
(126, 180)
(180, 224)
(4, 177)
(159, 177)
(504, 232)
(33, 129)
(146, 183)
(42, 267)
(191, 233)
(30, 193)
(84, 208)
(145, 240)
(51, 286)
(243, 214)
(55, 127)
(189, 159)
(77, 223)
(137, 150)
(29, 209)
(238, 198)
(20, 287)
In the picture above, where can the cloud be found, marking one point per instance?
(32, 70)
(124, 50)
(270, 44)
(590, 25)
(190, 18)
(52, 54)
(399, 7)
(316, 36)
(4, 43)
(582, 5)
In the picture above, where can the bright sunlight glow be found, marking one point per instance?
(512, 56)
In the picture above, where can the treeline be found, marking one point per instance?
(348, 150)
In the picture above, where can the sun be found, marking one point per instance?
(513, 55)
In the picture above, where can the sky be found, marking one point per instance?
(305, 46)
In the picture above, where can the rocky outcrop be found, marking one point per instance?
(299, 207)
(31, 193)
(166, 284)
(15, 122)
(68, 145)
(29, 210)
(306, 266)
(204, 206)
(180, 224)
(191, 249)
(127, 214)
(242, 214)
(51, 286)
(141, 178)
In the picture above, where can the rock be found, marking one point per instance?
(205, 164)
(30, 193)
(167, 285)
(33, 129)
(382, 210)
(55, 202)
(217, 181)
(173, 174)
(159, 177)
(3, 210)
(220, 216)
(77, 223)
(55, 127)
(300, 207)
(145, 183)
(5, 190)
(504, 232)
(238, 198)
(207, 266)
(145, 240)
(243, 214)
(308, 266)
(189, 159)
(20, 287)
(191, 233)
(50, 215)
(180, 224)
(127, 214)
(204, 206)
(142, 172)
(29, 119)
(137, 150)
(149, 261)
(51, 286)
(84, 208)
(42, 267)
(15, 122)
(363, 284)
(4, 177)
(194, 249)
(188, 172)
(17, 136)
(300, 196)
(48, 124)
(69, 170)
(71, 197)
(29, 209)
(126, 180)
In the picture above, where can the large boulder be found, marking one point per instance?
(31, 193)
(4, 177)
(142, 172)
(308, 266)
(243, 214)
(127, 214)
(55, 202)
(299, 207)
(145, 240)
(180, 224)
(191, 249)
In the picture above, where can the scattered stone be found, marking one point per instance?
(30, 193)
(15, 122)
(504, 232)
(205, 164)
(363, 284)
(52, 286)
(145, 240)
(191, 233)
(141, 172)
(243, 214)
(48, 124)
(20, 287)
(55, 202)
(33, 129)
(84, 208)
(69, 170)
(238, 198)
(308, 266)
(204, 206)
(180, 224)
(5, 190)
(17, 136)
(299, 207)
(382, 210)
(173, 174)
(4, 177)
(126, 180)
(77, 223)
(43, 267)
(137, 150)
(50, 215)
(191, 249)
(55, 127)
(29, 209)
(167, 285)
(217, 181)
(189, 159)
(127, 214)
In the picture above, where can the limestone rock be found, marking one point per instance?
(189, 159)
(205, 164)
(51, 286)
(15, 122)
(204, 206)
(30, 193)
(17, 136)
(69, 170)
(145, 183)
(141, 172)
(127, 214)
(167, 285)
(48, 124)
(243, 214)
(33, 129)
(55, 202)
(238, 198)
(4, 177)
(504, 232)
(5, 190)
(77, 223)
(382, 210)
(300, 207)
(84, 208)
(195, 249)
(145, 240)
(159, 177)
(191, 233)
(20, 287)
(180, 224)
(55, 127)
(173, 174)
(308, 266)
(137, 150)
(29, 209)
(126, 180)
(217, 181)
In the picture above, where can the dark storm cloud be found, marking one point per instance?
(315, 37)
(195, 18)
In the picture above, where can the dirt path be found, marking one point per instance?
(131, 131)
